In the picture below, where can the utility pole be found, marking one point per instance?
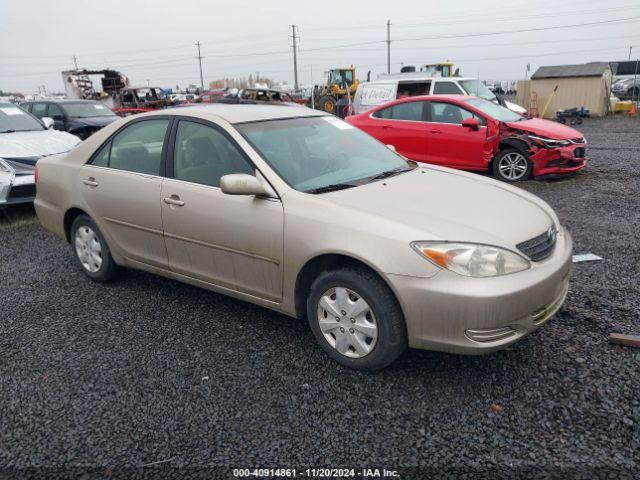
(295, 59)
(75, 61)
(388, 46)
(199, 57)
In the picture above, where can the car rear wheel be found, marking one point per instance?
(511, 165)
(91, 250)
(356, 319)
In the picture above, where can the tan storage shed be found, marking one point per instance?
(587, 85)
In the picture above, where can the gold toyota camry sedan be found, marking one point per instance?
(300, 212)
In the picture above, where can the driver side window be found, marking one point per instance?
(442, 112)
(203, 155)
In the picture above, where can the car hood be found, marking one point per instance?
(442, 204)
(38, 143)
(546, 128)
(95, 121)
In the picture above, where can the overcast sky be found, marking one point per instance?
(155, 40)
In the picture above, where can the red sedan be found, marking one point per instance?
(470, 133)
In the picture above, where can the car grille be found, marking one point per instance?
(540, 247)
(579, 152)
(22, 191)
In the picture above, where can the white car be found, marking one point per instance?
(23, 141)
(390, 87)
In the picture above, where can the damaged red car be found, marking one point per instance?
(471, 133)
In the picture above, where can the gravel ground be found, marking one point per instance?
(109, 378)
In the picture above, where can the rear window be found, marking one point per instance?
(411, 111)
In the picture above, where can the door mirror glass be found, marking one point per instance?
(471, 123)
(47, 122)
(242, 184)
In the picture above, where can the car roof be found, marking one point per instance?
(63, 100)
(432, 98)
(241, 113)
(417, 78)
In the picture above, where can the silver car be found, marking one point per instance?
(300, 212)
(23, 141)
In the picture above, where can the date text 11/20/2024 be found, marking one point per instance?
(316, 473)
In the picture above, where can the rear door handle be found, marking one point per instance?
(386, 127)
(90, 182)
(435, 131)
(174, 200)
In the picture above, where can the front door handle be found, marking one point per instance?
(435, 131)
(174, 200)
(90, 182)
(386, 127)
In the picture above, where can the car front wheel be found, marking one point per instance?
(91, 250)
(356, 318)
(511, 165)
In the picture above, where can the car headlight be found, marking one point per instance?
(548, 142)
(472, 259)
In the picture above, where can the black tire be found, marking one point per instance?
(562, 120)
(108, 268)
(324, 102)
(579, 120)
(498, 173)
(391, 339)
(573, 121)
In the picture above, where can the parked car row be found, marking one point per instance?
(81, 118)
(316, 219)
(23, 141)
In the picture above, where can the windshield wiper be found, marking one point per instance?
(7, 131)
(331, 188)
(390, 173)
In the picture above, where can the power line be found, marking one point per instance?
(523, 30)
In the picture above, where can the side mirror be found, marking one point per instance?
(392, 148)
(471, 123)
(243, 184)
(47, 122)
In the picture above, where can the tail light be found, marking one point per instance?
(35, 175)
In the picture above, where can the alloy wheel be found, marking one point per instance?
(513, 166)
(88, 249)
(347, 322)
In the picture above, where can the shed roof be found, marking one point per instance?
(593, 69)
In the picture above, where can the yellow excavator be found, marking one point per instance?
(340, 81)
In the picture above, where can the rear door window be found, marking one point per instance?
(411, 111)
(39, 109)
(138, 148)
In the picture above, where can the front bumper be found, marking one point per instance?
(21, 189)
(560, 160)
(457, 314)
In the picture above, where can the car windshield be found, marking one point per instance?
(87, 109)
(477, 88)
(313, 154)
(14, 119)
(494, 110)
